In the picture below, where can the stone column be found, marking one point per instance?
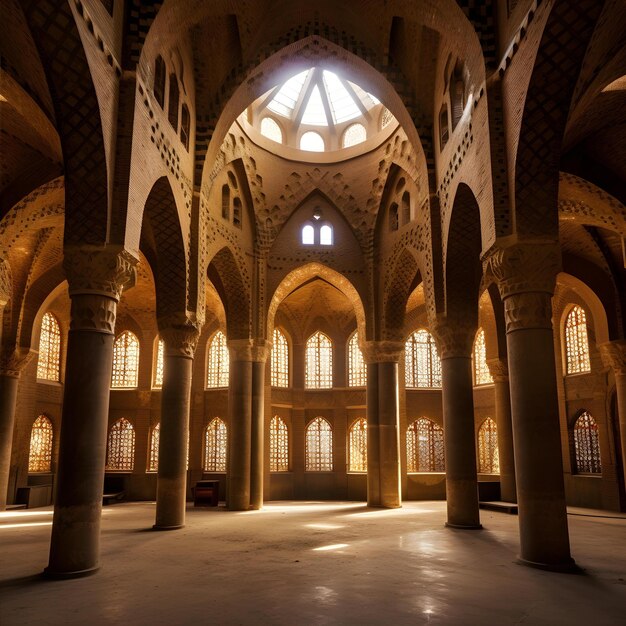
(181, 339)
(526, 276)
(240, 424)
(260, 352)
(96, 278)
(500, 373)
(384, 487)
(613, 355)
(455, 340)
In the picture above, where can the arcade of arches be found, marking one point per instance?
(315, 253)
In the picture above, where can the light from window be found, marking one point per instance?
(357, 370)
(153, 459)
(279, 445)
(319, 362)
(354, 135)
(424, 447)
(319, 446)
(215, 439)
(587, 445)
(125, 361)
(576, 342)
(314, 112)
(308, 235)
(312, 142)
(488, 455)
(358, 446)
(158, 364)
(49, 360)
(217, 362)
(40, 455)
(422, 363)
(326, 235)
(280, 360)
(121, 446)
(271, 130)
(482, 375)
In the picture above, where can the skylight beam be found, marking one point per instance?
(305, 94)
(325, 102)
(357, 100)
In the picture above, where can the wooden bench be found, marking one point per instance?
(206, 493)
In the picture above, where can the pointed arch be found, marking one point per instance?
(215, 446)
(319, 446)
(422, 363)
(319, 362)
(587, 445)
(218, 361)
(49, 358)
(576, 342)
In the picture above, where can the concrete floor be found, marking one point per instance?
(312, 563)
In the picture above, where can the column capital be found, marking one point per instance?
(381, 351)
(13, 363)
(180, 332)
(454, 337)
(98, 270)
(613, 354)
(499, 370)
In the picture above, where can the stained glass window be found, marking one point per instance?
(215, 439)
(422, 363)
(424, 447)
(488, 456)
(121, 446)
(319, 362)
(153, 459)
(40, 456)
(217, 361)
(354, 135)
(125, 361)
(319, 446)
(358, 446)
(587, 445)
(280, 360)
(576, 342)
(271, 130)
(482, 375)
(357, 370)
(158, 364)
(279, 445)
(49, 360)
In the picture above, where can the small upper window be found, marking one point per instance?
(354, 135)
(312, 142)
(326, 235)
(308, 235)
(271, 130)
(577, 342)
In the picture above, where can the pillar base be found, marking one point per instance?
(82, 573)
(464, 526)
(157, 527)
(567, 567)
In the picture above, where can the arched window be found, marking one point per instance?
(237, 212)
(406, 208)
(326, 235)
(393, 217)
(422, 363)
(576, 342)
(587, 445)
(482, 375)
(279, 445)
(49, 360)
(353, 135)
(40, 455)
(319, 362)
(157, 380)
(457, 97)
(217, 361)
(308, 235)
(424, 447)
(280, 360)
(172, 110)
(185, 126)
(358, 446)
(444, 131)
(215, 439)
(159, 80)
(319, 446)
(357, 370)
(312, 142)
(121, 446)
(271, 130)
(153, 458)
(226, 202)
(488, 456)
(125, 361)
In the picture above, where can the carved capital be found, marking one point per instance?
(240, 349)
(13, 363)
(499, 370)
(524, 267)
(180, 334)
(528, 310)
(613, 355)
(454, 337)
(93, 312)
(104, 271)
(381, 351)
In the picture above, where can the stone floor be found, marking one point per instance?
(307, 563)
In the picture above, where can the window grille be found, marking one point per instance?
(488, 455)
(358, 446)
(218, 362)
(40, 456)
(422, 363)
(49, 359)
(319, 446)
(279, 445)
(125, 361)
(482, 375)
(319, 362)
(158, 365)
(121, 448)
(215, 440)
(357, 370)
(280, 360)
(424, 447)
(153, 459)
(576, 342)
(587, 445)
